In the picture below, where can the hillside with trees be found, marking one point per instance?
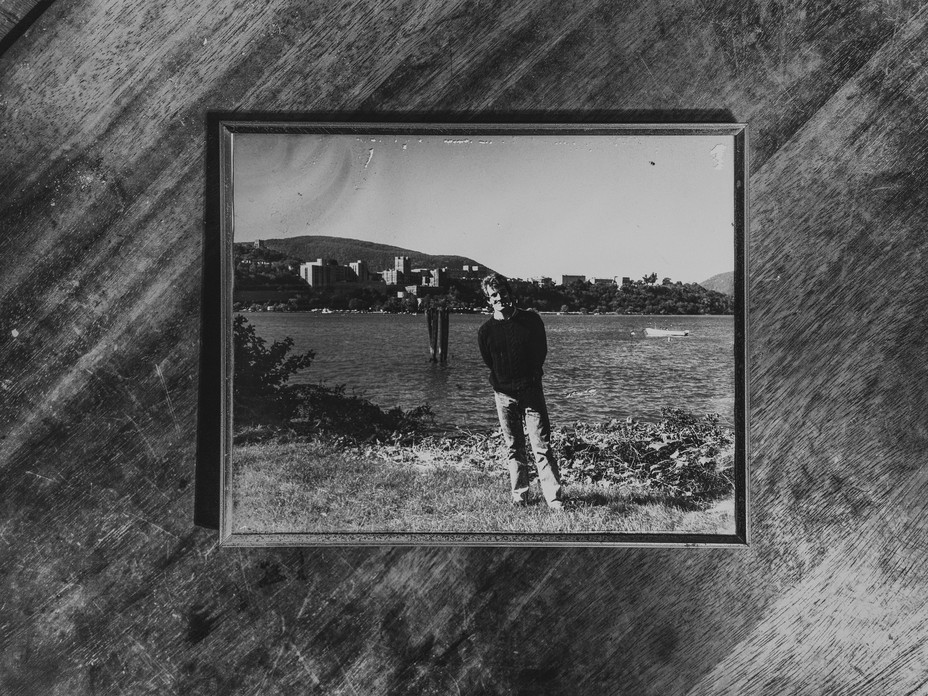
(723, 282)
(260, 267)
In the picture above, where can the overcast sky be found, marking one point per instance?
(600, 206)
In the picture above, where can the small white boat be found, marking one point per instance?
(665, 333)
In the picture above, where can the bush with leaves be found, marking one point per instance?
(330, 410)
(265, 406)
(260, 390)
(683, 456)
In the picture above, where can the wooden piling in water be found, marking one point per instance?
(443, 335)
(432, 321)
(437, 319)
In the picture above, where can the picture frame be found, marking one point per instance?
(270, 178)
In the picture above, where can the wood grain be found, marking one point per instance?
(105, 586)
(15, 18)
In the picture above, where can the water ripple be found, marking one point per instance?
(598, 367)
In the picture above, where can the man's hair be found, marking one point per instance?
(495, 281)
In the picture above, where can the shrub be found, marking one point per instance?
(683, 455)
(260, 393)
(331, 411)
(265, 406)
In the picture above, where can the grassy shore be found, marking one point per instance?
(315, 459)
(458, 483)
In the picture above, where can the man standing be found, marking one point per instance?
(514, 346)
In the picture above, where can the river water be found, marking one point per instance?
(599, 366)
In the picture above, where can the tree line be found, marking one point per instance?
(644, 296)
(257, 269)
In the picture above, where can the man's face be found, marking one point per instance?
(499, 299)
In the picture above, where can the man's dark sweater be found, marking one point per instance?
(514, 349)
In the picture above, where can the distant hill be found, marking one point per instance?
(723, 282)
(379, 257)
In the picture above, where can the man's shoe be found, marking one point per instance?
(556, 505)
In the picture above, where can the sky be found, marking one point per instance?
(594, 205)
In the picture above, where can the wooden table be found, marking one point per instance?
(107, 587)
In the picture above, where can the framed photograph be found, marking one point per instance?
(480, 334)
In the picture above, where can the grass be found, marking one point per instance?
(438, 484)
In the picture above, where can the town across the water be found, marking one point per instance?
(266, 280)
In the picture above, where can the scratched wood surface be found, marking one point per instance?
(12, 12)
(105, 585)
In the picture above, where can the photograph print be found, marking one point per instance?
(513, 335)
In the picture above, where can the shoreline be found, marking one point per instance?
(342, 312)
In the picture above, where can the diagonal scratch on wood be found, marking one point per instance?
(260, 690)
(42, 477)
(144, 439)
(205, 554)
(573, 22)
(306, 668)
(241, 567)
(153, 662)
(339, 587)
(345, 561)
(156, 526)
(875, 54)
(530, 597)
(119, 531)
(657, 83)
(167, 396)
(305, 604)
(155, 486)
(347, 680)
